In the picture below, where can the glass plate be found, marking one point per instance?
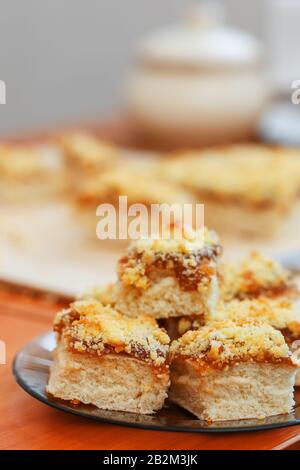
(31, 369)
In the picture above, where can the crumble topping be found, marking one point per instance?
(141, 187)
(255, 176)
(19, 162)
(105, 294)
(190, 323)
(226, 342)
(282, 313)
(254, 276)
(86, 149)
(193, 261)
(190, 241)
(89, 327)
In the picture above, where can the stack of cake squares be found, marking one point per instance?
(216, 339)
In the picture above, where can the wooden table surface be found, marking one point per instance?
(28, 424)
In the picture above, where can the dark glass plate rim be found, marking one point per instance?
(223, 427)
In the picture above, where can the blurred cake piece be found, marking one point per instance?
(233, 370)
(140, 186)
(137, 182)
(105, 294)
(29, 172)
(246, 189)
(85, 154)
(109, 360)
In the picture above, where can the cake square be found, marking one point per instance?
(233, 370)
(166, 278)
(282, 313)
(248, 190)
(253, 277)
(138, 183)
(28, 172)
(109, 360)
(85, 154)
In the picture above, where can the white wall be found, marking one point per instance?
(64, 60)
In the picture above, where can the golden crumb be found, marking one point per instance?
(129, 180)
(192, 261)
(192, 322)
(20, 162)
(282, 313)
(104, 294)
(86, 150)
(225, 342)
(92, 328)
(254, 276)
(187, 241)
(254, 176)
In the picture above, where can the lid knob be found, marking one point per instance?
(205, 14)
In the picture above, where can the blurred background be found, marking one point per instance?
(112, 81)
(65, 60)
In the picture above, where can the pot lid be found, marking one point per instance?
(201, 39)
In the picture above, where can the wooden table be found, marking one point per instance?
(28, 424)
